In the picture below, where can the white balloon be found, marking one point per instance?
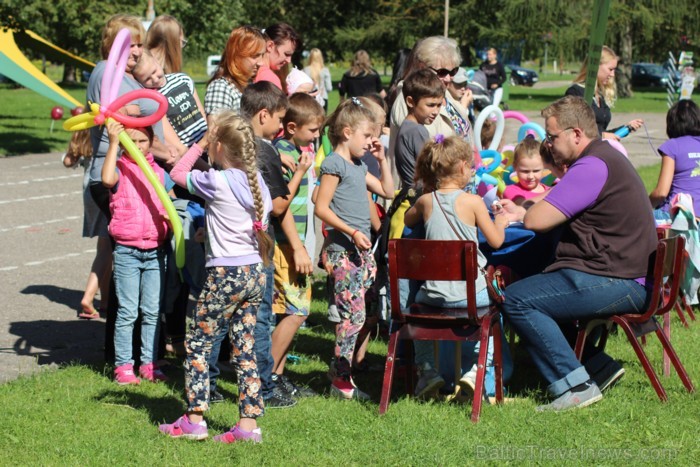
(497, 96)
(500, 126)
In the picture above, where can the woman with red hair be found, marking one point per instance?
(242, 57)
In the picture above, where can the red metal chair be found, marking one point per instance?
(681, 304)
(667, 274)
(441, 261)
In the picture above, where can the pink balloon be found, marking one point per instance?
(134, 122)
(116, 65)
(112, 80)
(516, 115)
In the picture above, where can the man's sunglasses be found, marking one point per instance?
(442, 72)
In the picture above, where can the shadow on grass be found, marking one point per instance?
(15, 142)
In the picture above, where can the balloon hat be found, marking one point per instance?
(108, 108)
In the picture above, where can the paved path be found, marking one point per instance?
(43, 266)
(44, 261)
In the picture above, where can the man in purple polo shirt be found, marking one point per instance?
(608, 239)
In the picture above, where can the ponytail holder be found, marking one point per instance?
(356, 101)
(439, 138)
(258, 226)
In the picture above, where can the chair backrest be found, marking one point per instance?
(438, 260)
(667, 276)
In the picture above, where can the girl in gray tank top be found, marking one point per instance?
(449, 213)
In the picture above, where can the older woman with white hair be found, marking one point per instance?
(441, 55)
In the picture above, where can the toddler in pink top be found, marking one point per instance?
(529, 168)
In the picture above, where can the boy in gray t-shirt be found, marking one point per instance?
(424, 94)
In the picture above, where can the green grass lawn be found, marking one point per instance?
(77, 415)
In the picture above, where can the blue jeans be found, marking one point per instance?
(470, 350)
(138, 281)
(537, 306)
(263, 341)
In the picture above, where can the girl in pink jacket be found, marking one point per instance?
(139, 228)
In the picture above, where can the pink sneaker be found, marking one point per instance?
(184, 428)
(124, 374)
(346, 389)
(237, 434)
(152, 373)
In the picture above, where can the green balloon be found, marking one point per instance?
(173, 217)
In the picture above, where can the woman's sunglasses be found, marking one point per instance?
(442, 72)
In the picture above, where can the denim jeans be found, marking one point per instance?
(425, 353)
(263, 341)
(470, 350)
(138, 281)
(537, 306)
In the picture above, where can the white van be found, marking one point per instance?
(213, 63)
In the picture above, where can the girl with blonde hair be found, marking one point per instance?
(605, 93)
(165, 40)
(237, 245)
(320, 75)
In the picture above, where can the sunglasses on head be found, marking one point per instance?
(442, 72)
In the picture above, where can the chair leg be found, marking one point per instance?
(410, 379)
(458, 363)
(688, 309)
(389, 372)
(498, 359)
(485, 332)
(667, 333)
(671, 352)
(679, 310)
(660, 391)
(580, 341)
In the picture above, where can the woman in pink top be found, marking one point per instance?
(139, 229)
(282, 41)
(529, 168)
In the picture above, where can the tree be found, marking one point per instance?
(74, 26)
(207, 23)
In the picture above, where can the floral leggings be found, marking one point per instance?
(353, 273)
(231, 294)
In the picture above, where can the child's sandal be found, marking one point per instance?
(91, 314)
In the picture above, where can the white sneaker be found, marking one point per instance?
(428, 383)
(467, 383)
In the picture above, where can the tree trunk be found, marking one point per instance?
(68, 74)
(624, 66)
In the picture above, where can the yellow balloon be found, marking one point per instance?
(80, 122)
(507, 160)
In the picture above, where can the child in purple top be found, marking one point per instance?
(680, 158)
(237, 245)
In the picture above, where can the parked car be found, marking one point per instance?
(522, 76)
(677, 74)
(213, 63)
(649, 75)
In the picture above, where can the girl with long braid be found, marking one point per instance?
(237, 245)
